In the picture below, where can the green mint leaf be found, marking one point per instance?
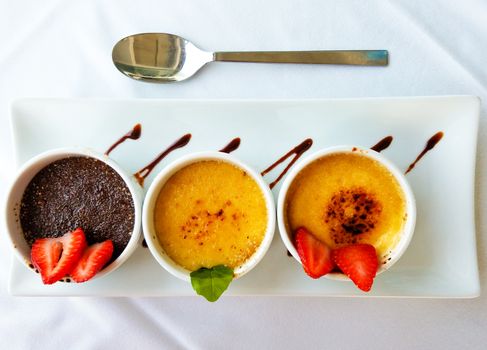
(211, 283)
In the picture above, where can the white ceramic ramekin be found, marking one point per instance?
(26, 174)
(151, 197)
(408, 227)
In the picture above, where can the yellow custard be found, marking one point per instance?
(347, 198)
(210, 213)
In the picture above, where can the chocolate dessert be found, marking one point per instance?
(74, 192)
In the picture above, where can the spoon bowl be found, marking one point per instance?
(158, 57)
(164, 58)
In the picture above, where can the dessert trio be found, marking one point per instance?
(343, 213)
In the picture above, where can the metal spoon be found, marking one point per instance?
(163, 58)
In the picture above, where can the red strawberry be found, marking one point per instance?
(316, 256)
(56, 257)
(359, 263)
(92, 261)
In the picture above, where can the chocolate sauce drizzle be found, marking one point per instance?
(297, 151)
(232, 146)
(432, 142)
(382, 144)
(133, 134)
(145, 171)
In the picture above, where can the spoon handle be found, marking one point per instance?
(354, 57)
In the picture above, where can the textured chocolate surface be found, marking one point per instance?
(78, 192)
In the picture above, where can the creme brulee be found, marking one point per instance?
(210, 213)
(346, 198)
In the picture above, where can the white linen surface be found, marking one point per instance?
(63, 49)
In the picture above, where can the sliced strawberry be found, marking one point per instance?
(56, 257)
(359, 263)
(92, 261)
(316, 256)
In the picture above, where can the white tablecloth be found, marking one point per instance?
(63, 49)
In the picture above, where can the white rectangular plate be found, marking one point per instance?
(441, 260)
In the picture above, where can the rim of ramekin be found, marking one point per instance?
(408, 227)
(165, 174)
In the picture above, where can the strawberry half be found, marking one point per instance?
(56, 257)
(316, 256)
(359, 263)
(92, 261)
